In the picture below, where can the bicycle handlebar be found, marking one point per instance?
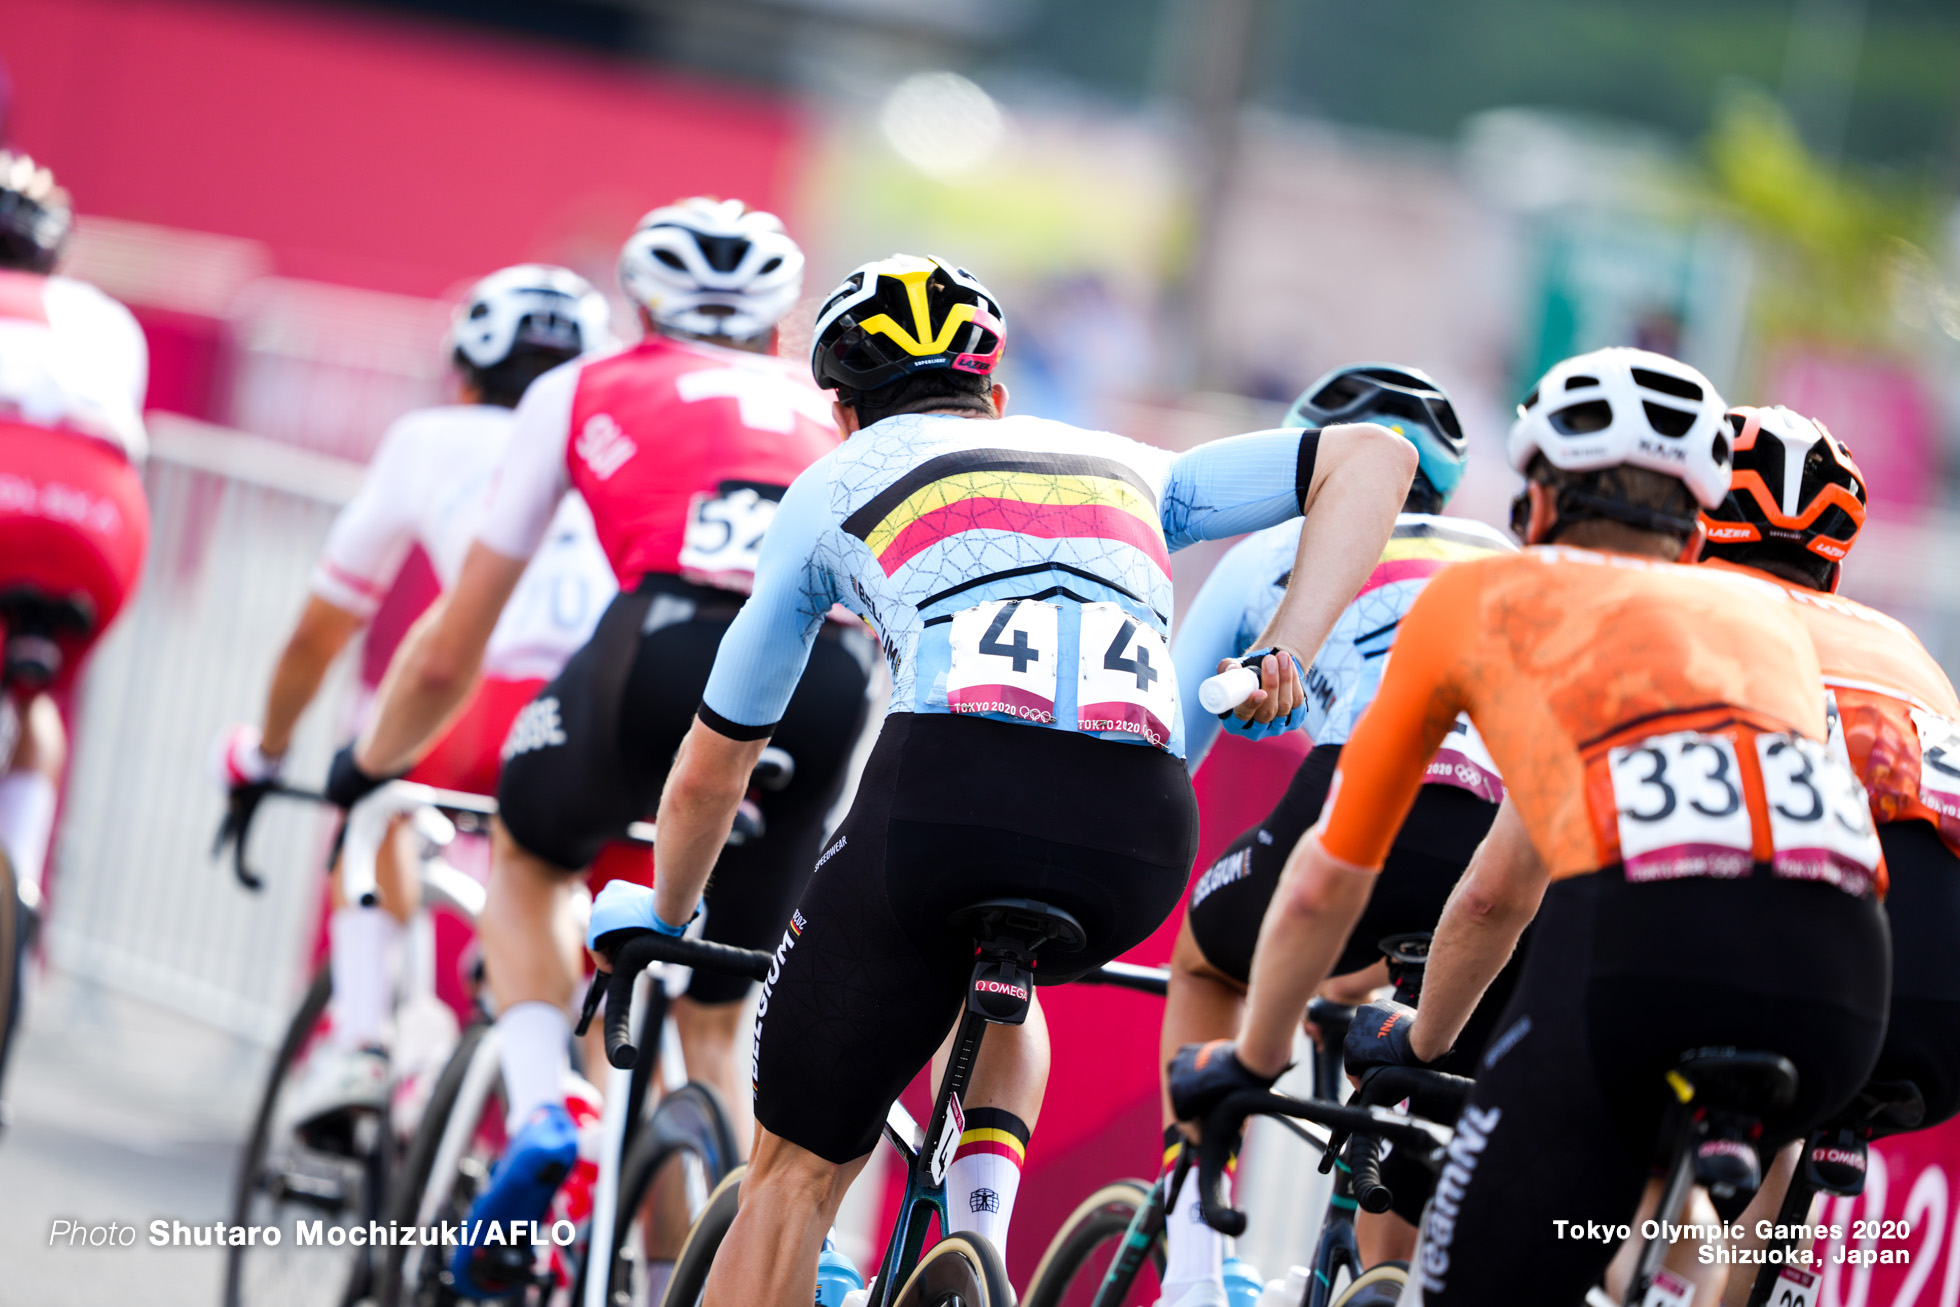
(241, 809)
(636, 954)
(1127, 975)
(1222, 1126)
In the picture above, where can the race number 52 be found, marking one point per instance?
(723, 541)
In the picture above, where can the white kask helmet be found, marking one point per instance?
(712, 268)
(1627, 408)
(535, 304)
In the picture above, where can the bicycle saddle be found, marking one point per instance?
(1887, 1107)
(1735, 1080)
(1022, 925)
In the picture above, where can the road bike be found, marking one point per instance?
(1007, 934)
(329, 1178)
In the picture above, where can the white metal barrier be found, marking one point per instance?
(137, 902)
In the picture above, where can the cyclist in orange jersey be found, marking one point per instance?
(1702, 864)
(1794, 510)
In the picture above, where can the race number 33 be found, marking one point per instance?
(723, 542)
(1126, 682)
(1003, 661)
(1819, 818)
(1681, 807)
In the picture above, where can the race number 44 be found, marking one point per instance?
(1126, 683)
(1004, 659)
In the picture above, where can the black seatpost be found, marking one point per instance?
(1794, 1212)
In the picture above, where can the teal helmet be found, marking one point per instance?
(1402, 399)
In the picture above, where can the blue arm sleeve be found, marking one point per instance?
(1212, 629)
(1229, 487)
(768, 644)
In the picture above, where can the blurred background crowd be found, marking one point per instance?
(1190, 208)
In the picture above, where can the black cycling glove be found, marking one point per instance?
(1205, 1075)
(347, 784)
(1379, 1036)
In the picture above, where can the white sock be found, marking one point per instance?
(535, 1054)
(27, 802)
(986, 1174)
(359, 940)
(1193, 1252)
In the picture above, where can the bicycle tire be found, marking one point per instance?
(414, 1175)
(691, 1120)
(254, 1178)
(1101, 1218)
(690, 1279)
(12, 921)
(1378, 1286)
(961, 1270)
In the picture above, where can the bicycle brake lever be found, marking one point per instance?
(1215, 1149)
(594, 991)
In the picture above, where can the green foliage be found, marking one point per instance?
(1832, 243)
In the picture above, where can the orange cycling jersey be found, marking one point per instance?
(1900, 715)
(1643, 713)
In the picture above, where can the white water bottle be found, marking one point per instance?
(1228, 689)
(1290, 1292)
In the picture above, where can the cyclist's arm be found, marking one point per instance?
(1330, 874)
(1347, 481)
(1210, 633)
(761, 659)
(436, 667)
(1360, 480)
(323, 630)
(364, 552)
(1487, 911)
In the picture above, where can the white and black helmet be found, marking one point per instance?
(553, 311)
(1627, 408)
(712, 268)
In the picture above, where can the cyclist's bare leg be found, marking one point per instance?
(1763, 1207)
(531, 933)
(1683, 1258)
(1011, 1072)
(28, 791)
(1202, 1004)
(708, 1036)
(532, 950)
(790, 1199)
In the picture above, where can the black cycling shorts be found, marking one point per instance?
(1229, 899)
(1621, 980)
(951, 811)
(1922, 1041)
(594, 747)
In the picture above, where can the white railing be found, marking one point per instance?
(138, 904)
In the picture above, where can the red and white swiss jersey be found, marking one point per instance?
(681, 449)
(71, 358)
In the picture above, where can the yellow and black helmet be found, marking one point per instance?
(902, 315)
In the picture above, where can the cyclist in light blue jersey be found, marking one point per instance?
(1213, 955)
(1017, 573)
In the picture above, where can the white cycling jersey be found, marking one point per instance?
(428, 485)
(72, 358)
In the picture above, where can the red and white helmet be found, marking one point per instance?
(1627, 408)
(552, 309)
(712, 268)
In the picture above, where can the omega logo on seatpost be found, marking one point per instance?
(1001, 991)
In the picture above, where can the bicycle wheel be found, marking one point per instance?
(690, 1279)
(449, 1160)
(1082, 1252)
(961, 1270)
(12, 921)
(1378, 1286)
(303, 1190)
(689, 1129)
